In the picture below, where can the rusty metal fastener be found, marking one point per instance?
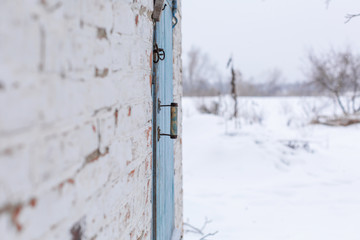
(159, 53)
(173, 121)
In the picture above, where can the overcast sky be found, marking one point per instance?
(267, 34)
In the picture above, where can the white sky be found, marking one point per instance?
(268, 34)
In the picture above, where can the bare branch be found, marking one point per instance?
(348, 17)
(200, 231)
(194, 229)
(208, 235)
(207, 221)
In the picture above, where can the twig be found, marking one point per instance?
(207, 221)
(208, 235)
(195, 229)
(348, 17)
(200, 231)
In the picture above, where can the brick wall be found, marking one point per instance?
(75, 119)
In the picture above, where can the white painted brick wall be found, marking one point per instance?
(75, 119)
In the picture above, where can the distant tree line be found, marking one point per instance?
(201, 78)
(333, 73)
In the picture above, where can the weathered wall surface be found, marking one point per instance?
(75, 119)
(177, 83)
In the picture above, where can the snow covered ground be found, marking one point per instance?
(273, 178)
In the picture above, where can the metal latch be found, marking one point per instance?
(173, 121)
(159, 53)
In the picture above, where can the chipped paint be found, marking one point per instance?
(95, 155)
(13, 210)
(137, 20)
(116, 115)
(78, 229)
(101, 33)
(101, 73)
(33, 202)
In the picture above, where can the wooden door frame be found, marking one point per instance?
(155, 89)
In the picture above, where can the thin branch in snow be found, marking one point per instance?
(199, 231)
(208, 235)
(207, 221)
(194, 229)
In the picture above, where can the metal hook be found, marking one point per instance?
(159, 53)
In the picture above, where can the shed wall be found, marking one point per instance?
(76, 118)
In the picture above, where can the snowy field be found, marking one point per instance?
(274, 177)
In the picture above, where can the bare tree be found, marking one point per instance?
(200, 76)
(338, 73)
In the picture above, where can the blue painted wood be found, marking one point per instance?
(164, 160)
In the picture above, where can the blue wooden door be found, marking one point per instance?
(163, 201)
